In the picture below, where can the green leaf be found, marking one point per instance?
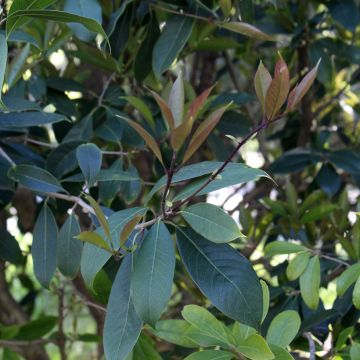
(176, 332)
(211, 222)
(176, 101)
(203, 131)
(95, 239)
(14, 23)
(282, 247)
(347, 278)
(143, 109)
(9, 248)
(266, 299)
(58, 16)
(241, 331)
(245, 29)
(18, 65)
(89, 157)
(203, 320)
(345, 12)
(215, 270)
(3, 60)
(318, 212)
(229, 177)
(44, 246)
(90, 9)
(36, 329)
(16, 120)
(35, 178)
(356, 294)
(280, 353)
(297, 265)
(255, 348)
(153, 273)
(310, 283)
(234, 174)
(283, 328)
(355, 351)
(171, 41)
(210, 355)
(122, 324)
(68, 248)
(145, 349)
(93, 257)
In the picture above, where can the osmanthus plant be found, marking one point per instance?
(141, 239)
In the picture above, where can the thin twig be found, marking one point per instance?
(202, 18)
(311, 342)
(105, 87)
(41, 143)
(26, 343)
(86, 207)
(339, 261)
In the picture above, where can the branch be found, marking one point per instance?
(261, 126)
(311, 342)
(6, 156)
(170, 174)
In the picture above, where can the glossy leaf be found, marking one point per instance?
(153, 272)
(89, 158)
(318, 212)
(278, 90)
(356, 294)
(90, 9)
(93, 238)
(280, 353)
(262, 82)
(207, 323)
(44, 246)
(210, 355)
(215, 270)
(266, 299)
(282, 247)
(94, 258)
(9, 248)
(3, 60)
(310, 283)
(16, 120)
(145, 349)
(171, 41)
(122, 324)
(347, 278)
(246, 29)
(283, 328)
(203, 131)
(128, 229)
(176, 332)
(68, 248)
(35, 178)
(297, 265)
(302, 88)
(255, 348)
(176, 101)
(211, 222)
(150, 141)
(55, 15)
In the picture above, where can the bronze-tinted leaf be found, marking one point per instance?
(150, 141)
(278, 90)
(246, 29)
(128, 228)
(262, 82)
(179, 134)
(203, 131)
(94, 239)
(165, 110)
(302, 88)
(99, 214)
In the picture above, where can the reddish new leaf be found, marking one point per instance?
(262, 82)
(278, 90)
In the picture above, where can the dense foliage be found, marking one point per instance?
(179, 179)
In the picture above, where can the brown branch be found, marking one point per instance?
(311, 342)
(170, 174)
